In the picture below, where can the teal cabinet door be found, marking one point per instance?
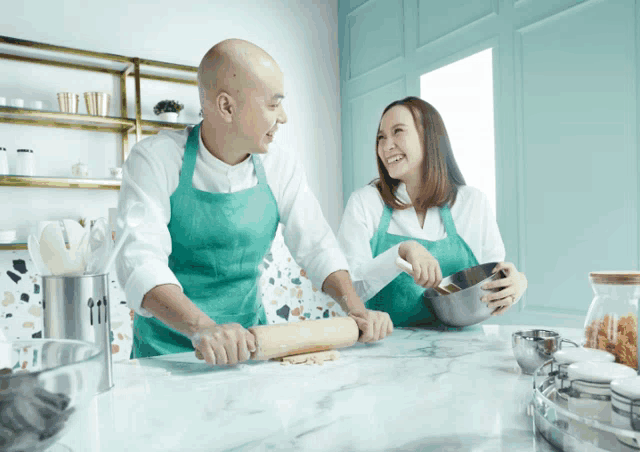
(566, 99)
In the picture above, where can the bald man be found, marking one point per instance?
(215, 194)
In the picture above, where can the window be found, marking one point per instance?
(462, 92)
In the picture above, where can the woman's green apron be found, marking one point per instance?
(402, 297)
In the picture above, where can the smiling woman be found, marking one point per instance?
(420, 210)
(402, 156)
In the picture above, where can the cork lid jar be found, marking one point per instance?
(611, 323)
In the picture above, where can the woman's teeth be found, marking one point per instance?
(395, 159)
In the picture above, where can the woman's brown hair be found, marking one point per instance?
(442, 177)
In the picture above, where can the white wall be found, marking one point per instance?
(302, 35)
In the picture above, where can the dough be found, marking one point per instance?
(310, 358)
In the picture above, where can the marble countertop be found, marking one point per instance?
(418, 390)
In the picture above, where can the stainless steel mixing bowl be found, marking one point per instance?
(464, 308)
(47, 386)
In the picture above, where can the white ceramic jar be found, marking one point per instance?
(589, 394)
(8, 235)
(565, 357)
(4, 162)
(625, 407)
(25, 163)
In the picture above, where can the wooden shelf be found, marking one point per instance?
(77, 121)
(27, 116)
(12, 246)
(121, 68)
(87, 60)
(16, 246)
(150, 127)
(60, 182)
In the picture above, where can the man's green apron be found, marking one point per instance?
(402, 297)
(218, 240)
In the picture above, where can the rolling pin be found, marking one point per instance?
(286, 339)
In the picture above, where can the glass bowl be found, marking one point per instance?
(47, 387)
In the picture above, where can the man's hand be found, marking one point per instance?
(229, 343)
(373, 325)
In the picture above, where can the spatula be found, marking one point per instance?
(36, 257)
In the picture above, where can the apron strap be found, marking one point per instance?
(382, 228)
(447, 219)
(259, 167)
(189, 159)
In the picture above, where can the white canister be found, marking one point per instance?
(25, 162)
(625, 407)
(4, 162)
(565, 357)
(589, 394)
(8, 235)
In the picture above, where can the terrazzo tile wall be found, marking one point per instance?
(287, 294)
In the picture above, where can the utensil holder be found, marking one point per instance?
(78, 307)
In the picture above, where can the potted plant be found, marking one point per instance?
(168, 110)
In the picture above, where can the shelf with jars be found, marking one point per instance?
(122, 67)
(78, 121)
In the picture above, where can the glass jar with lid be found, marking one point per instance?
(612, 323)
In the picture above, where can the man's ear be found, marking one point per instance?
(225, 107)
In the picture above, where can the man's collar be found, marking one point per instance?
(214, 161)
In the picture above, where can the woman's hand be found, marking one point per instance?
(512, 287)
(426, 269)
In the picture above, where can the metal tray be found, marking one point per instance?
(568, 431)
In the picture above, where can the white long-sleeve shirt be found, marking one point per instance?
(472, 215)
(151, 174)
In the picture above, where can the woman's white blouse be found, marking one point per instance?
(472, 215)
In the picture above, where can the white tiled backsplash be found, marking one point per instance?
(287, 294)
